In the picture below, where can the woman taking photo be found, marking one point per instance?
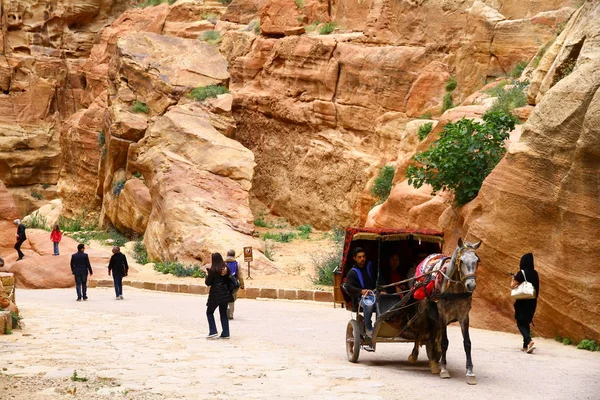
(525, 309)
(219, 296)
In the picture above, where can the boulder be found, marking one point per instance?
(199, 182)
(48, 214)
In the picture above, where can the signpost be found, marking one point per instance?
(248, 259)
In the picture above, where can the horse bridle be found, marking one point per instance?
(463, 277)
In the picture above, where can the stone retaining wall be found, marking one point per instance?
(248, 293)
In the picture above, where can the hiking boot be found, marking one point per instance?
(212, 335)
(530, 347)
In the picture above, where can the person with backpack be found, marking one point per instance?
(234, 271)
(359, 281)
(219, 296)
(56, 237)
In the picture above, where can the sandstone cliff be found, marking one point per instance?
(541, 198)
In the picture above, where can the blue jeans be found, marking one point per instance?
(81, 285)
(118, 284)
(368, 312)
(56, 253)
(212, 326)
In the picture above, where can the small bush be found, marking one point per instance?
(327, 263)
(179, 269)
(225, 2)
(383, 183)
(76, 378)
(447, 102)
(257, 29)
(101, 138)
(269, 252)
(327, 28)
(37, 221)
(281, 237)
(211, 37)
(137, 174)
(73, 224)
(117, 238)
(212, 18)
(36, 195)
(140, 254)
(338, 235)
(451, 84)
(305, 231)
(558, 338)
(16, 320)
(567, 341)
(427, 115)
(118, 187)
(463, 156)
(518, 70)
(587, 344)
(299, 4)
(260, 221)
(508, 100)
(140, 107)
(153, 3)
(46, 185)
(424, 130)
(312, 27)
(205, 92)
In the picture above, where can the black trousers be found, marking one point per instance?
(81, 285)
(525, 331)
(18, 248)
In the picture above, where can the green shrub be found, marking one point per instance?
(76, 378)
(451, 84)
(16, 320)
(567, 341)
(117, 238)
(37, 221)
(326, 264)
(508, 100)
(299, 4)
(211, 37)
(46, 185)
(305, 231)
(118, 187)
(179, 269)
(225, 2)
(36, 195)
(463, 156)
(338, 235)
(587, 344)
(268, 252)
(424, 130)
(140, 254)
(137, 174)
(257, 29)
(312, 27)
(212, 18)
(427, 115)
(73, 224)
(260, 221)
(327, 28)
(153, 3)
(205, 92)
(282, 237)
(518, 70)
(447, 102)
(383, 183)
(558, 338)
(540, 54)
(140, 107)
(101, 138)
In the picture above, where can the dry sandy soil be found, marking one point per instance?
(151, 346)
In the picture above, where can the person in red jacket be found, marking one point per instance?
(56, 236)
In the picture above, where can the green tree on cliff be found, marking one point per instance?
(463, 156)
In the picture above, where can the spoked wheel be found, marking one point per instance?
(353, 341)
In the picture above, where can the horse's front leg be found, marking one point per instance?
(464, 326)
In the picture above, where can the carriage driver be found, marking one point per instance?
(359, 281)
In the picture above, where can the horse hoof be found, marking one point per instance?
(471, 380)
(412, 359)
(445, 375)
(435, 368)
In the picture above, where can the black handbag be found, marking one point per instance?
(235, 283)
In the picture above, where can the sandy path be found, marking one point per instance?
(152, 346)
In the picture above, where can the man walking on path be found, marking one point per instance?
(233, 271)
(21, 237)
(80, 265)
(118, 266)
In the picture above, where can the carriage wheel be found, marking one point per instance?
(353, 341)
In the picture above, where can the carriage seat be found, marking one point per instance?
(386, 301)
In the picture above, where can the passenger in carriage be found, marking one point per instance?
(360, 280)
(401, 273)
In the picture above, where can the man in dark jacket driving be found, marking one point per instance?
(80, 265)
(359, 281)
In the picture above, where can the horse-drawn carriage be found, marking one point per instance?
(446, 283)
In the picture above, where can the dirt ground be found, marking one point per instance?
(152, 346)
